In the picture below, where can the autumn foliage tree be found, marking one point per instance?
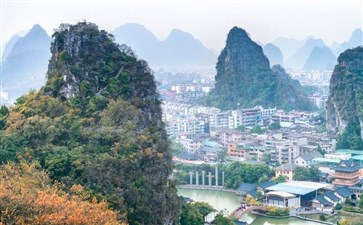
(27, 196)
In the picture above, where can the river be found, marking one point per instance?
(228, 201)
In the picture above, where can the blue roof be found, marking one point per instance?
(344, 191)
(252, 193)
(322, 200)
(332, 196)
(323, 175)
(209, 143)
(297, 187)
(246, 187)
(356, 188)
(188, 155)
(346, 166)
(266, 184)
(240, 222)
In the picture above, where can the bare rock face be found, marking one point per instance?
(345, 102)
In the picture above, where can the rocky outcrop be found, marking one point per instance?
(244, 78)
(88, 69)
(345, 102)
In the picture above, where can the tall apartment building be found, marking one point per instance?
(247, 117)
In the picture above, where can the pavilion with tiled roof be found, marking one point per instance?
(346, 173)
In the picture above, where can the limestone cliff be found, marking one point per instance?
(105, 83)
(345, 102)
(244, 78)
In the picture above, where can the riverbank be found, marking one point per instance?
(313, 220)
(225, 199)
(209, 188)
(355, 219)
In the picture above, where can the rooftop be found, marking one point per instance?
(281, 194)
(332, 196)
(246, 187)
(346, 166)
(350, 151)
(310, 156)
(298, 187)
(344, 191)
(322, 200)
(266, 184)
(326, 160)
(286, 166)
(357, 157)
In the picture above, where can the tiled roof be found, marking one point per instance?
(344, 191)
(286, 166)
(246, 187)
(322, 200)
(310, 156)
(346, 166)
(332, 196)
(266, 184)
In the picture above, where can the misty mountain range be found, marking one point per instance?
(25, 58)
(180, 50)
(24, 62)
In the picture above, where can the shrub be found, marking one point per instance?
(338, 206)
(322, 217)
(276, 211)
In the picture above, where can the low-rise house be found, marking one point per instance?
(210, 150)
(331, 197)
(320, 202)
(305, 160)
(343, 193)
(247, 189)
(286, 169)
(264, 185)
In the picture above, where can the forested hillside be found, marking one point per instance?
(96, 123)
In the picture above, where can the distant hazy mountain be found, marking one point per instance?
(288, 46)
(179, 50)
(26, 64)
(320, 59)
(356, 39)
(9, 46)
(297, 60)
(273, 54)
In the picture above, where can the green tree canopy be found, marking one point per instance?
(257, 129)
(306, 174)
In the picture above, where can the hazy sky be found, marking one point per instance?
(208, 21)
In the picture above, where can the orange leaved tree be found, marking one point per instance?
(27, 196)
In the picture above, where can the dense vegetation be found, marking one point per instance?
(306, 174)
(28, 196)
(235, 173)
(276, 211)
(97, 123)
(244, 78)
(351, 138)
(194, 214)
(345, 102)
